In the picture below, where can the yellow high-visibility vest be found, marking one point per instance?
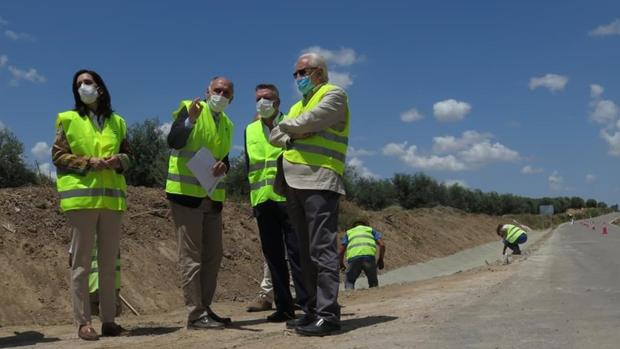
(262, 158)
(327, 148)
(513, 233)
(361, 242)
(96, 189)
(218, 139)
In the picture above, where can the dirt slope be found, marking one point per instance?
(34, 240)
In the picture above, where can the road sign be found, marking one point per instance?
(545, 210)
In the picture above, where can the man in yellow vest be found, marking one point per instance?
(359, 246)
(512, 236)
(197, 214)
(278, 239)
(315, 135)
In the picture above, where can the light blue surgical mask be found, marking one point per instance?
(304, 85)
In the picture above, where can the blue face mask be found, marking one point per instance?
(305, 85)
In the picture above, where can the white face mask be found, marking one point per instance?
(218, 103)
(88, 93)
(265, 108)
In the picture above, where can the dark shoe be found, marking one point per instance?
(320, 328)
(217, 318)
(111, 329)
(281, 316)
(205, 322)
(88, 333)
(259, 304)
(302, 321)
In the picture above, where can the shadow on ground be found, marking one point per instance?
(152, 331)
(25, 338)
(352, 324)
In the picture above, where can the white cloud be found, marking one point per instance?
(340, 79)
(590, 178)
(448, 144)
(3, 60)
(41, 150)
(433, 162)
(342, 57)
(531, 170)
(488, 152)
(18, 36)
(450, 110)
(596, 90)
(613, 141)
(164, 129)
(553, 82)
(31, 75)
(604, 111)
(556, 182)
(459, 182)
(361, 169)
(47, 170)
(2, 127)
(411, 115)
(612, 28)
(353, 152)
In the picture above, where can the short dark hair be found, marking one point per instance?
(271, 87)
(104, 101)
(499, 228)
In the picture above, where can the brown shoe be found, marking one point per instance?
(87, 333)
(259, 304)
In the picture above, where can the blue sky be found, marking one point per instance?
(516, 97)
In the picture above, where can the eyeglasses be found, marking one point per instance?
(303, 72)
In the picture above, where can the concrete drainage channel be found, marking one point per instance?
(461, 261)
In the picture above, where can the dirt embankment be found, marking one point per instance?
(34, 240)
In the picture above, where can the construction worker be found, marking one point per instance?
(197, 214)
(359, 246)
(278, 239)
(93, 282)
(315, 136)
(512, 236)
(264, 297)
(90, 153)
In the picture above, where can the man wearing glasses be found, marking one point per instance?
(315, 137)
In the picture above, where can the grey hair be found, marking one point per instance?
(215, 78)
(315, 60)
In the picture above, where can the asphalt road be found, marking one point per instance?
(565, 295)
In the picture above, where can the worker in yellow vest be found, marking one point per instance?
(512, 236)
(277, 236)
(90, 153)
(315, 135)
(197, 214)
(359, 247)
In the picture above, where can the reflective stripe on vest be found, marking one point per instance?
(103, 189)
(328, 148)
(263, 164)
(513, 233)
(205, 133)
(361, 242)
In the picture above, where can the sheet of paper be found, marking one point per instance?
(200, 165)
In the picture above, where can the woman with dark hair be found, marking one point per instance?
(90, 153)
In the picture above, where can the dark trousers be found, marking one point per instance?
(356, 265)
(314, 214)
(278, 238)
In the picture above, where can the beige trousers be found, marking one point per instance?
(85, 224)
(199, 232)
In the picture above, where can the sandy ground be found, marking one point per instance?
(393, 316)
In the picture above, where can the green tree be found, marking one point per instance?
(591, 203)
(13, 171)
(236, 181)
(150, 151)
